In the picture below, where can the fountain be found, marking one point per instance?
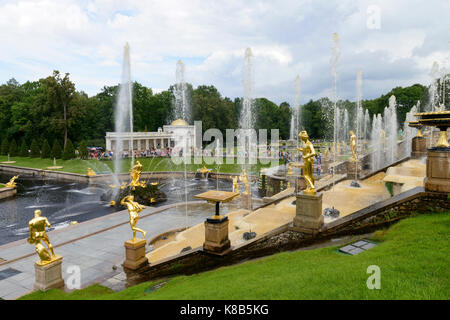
(390, 128)
(296, 114)
(123, 114)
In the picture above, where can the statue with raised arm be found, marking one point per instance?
(308, 154)
(11, 183)
(235, 183)
(353, 145)
(135, 174)
(37, 227)
(133, 210)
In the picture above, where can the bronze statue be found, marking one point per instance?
(244, 179)
(37, 234)
(353, 145)
(308, 154)
(11, 183)
(133, 210)
(135, 174)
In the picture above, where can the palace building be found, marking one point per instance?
(143, 141)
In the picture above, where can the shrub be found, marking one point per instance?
(5, 147)
(23, 149)
(69, 152)
(34, 149)
(46, 151)
(13, 148)
(83, 150)
(56, 150)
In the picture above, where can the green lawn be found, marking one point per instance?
(413, 255)
(107, 166)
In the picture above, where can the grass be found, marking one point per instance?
(107, 166)
(413, 255)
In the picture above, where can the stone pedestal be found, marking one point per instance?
(438, 170)
(48, 276)
(216, 236)
(353, 169)
(418, 147)
(308, 218)
(135, 254)
(246, 201)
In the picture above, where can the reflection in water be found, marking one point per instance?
(65, 202)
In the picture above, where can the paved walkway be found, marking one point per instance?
(94, 246)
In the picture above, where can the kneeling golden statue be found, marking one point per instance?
(37, 227)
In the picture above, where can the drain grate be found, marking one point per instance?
(357, 247)
(6, 273)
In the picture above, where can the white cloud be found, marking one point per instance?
(86, 38)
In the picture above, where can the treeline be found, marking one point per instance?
(51, 112)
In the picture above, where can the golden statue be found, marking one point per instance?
(205, 170)
(235, 184)
(11, 183)
(353, 145)
(244, 178)
(290, 171)
(135, 174)
(133, 210)
(91, 172)
(308, 154)
(37, 234)
(327, 155)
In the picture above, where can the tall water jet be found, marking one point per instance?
(408, 132)
(366, 127)
(345, 127)
(390, 129)
(182, 110)
(377, 142)
(246, 120)
(359, 111)
(123, 115)
(334, 61)
(296, 114)
(433, 92)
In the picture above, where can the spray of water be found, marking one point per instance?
(296, 114)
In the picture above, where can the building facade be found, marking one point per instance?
(144, 141)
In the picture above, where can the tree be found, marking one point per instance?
(34, 149)
(5, 147)
(56, 150)
(13, 148)
(83, 150)
(69, 152)
(46, 151)
(23, 149)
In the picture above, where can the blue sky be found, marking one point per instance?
(394, 43)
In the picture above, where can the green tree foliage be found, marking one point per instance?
(5, 147)
(46, 151)
(12, 148)
(83, 150)
(23, 149)
(35, 152)
(69, 151)
(56, 150)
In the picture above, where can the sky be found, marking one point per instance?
(394, 43)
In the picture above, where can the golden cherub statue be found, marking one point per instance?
(353, 145)
(327, 154)
(11, 183)
(133, 210)
(235, 184)
(308, 154)
(244, 179)
(91, 172)
(37, 234)
(135, 174)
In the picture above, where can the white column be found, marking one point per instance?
(108, 144)
(147, 144)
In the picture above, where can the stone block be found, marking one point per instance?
(48, 276)
(353, 169)
(308, 216)
(438, 171)
(135, 254)
(216, 236)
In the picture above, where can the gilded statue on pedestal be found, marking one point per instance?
(235, 184)
(353, 145)
(135, 174)
(11, 183)
(308, 154)
(37, 227)
(244, 179)
(133, 210)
